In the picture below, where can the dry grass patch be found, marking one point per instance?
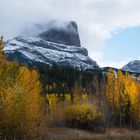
(75, 134)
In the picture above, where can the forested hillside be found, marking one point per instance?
(35, 98)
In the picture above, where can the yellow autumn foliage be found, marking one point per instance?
(82, 115)
(123, 94)
(21, 106)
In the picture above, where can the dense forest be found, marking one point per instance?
(33, 99)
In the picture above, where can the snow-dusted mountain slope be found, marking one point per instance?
(133, 66)
(59, 45)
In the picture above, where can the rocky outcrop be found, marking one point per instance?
(67, 35)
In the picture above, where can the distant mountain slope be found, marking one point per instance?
(53, 44)
(133, 66)
(132, 73)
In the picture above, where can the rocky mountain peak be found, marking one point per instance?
(133, 66)
(67, 34)
(54, 44)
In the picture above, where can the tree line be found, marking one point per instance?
(29, 104)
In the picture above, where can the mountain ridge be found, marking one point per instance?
(55, 46)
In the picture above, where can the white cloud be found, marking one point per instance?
(97, 19)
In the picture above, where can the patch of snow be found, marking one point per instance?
(11, 47)
(59, 53)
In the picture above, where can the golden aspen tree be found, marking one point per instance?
(110, 85)
(2, 55)
(121, 88)
(31, 87)
(8, 72)
(133, 94)
(110, 94)
(132, 91)
(138, 99)
(23, 106)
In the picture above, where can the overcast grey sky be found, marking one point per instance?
(98, 20)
